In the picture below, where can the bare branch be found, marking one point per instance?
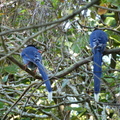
(54, 22)
(27, 39)
(4, 117)
(68, 69)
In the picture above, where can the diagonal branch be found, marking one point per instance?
(82, 62)
(66, 70)
(27, 39)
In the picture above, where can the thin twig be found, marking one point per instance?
(5, 116)
(96, 118)
(27, 39)
(54, 22)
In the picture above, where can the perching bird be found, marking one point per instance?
(98, 40)
(32, 59)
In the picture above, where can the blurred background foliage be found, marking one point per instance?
(62, 46)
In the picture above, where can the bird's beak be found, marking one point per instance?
(39, 51)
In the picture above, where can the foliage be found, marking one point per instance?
(64, 45)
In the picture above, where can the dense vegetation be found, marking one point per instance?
(60, 29)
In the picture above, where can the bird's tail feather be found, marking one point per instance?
(96, 96)
(50, 96)
(46, 79)
(97, 59)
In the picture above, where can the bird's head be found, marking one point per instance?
(35, 47)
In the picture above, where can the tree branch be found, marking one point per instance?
(84, 61)
(54, 22)
(110, 9)
(27, 39)
(14, 104)
(65, 71)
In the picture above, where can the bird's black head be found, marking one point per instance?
(31, 46)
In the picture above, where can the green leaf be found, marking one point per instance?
(116, 39)
(110, 21)
(30, 108)
(22, 11)
(26, 118)
(76, 48)
(11, 69)
(5, 79)
(1, 104)
(42, 3)
(55, 3)
(1, 69)
(110, 80)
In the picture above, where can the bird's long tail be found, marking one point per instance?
(46, 79)
(97, 61)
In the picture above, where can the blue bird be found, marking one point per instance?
(98, 40)
(32, 59)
